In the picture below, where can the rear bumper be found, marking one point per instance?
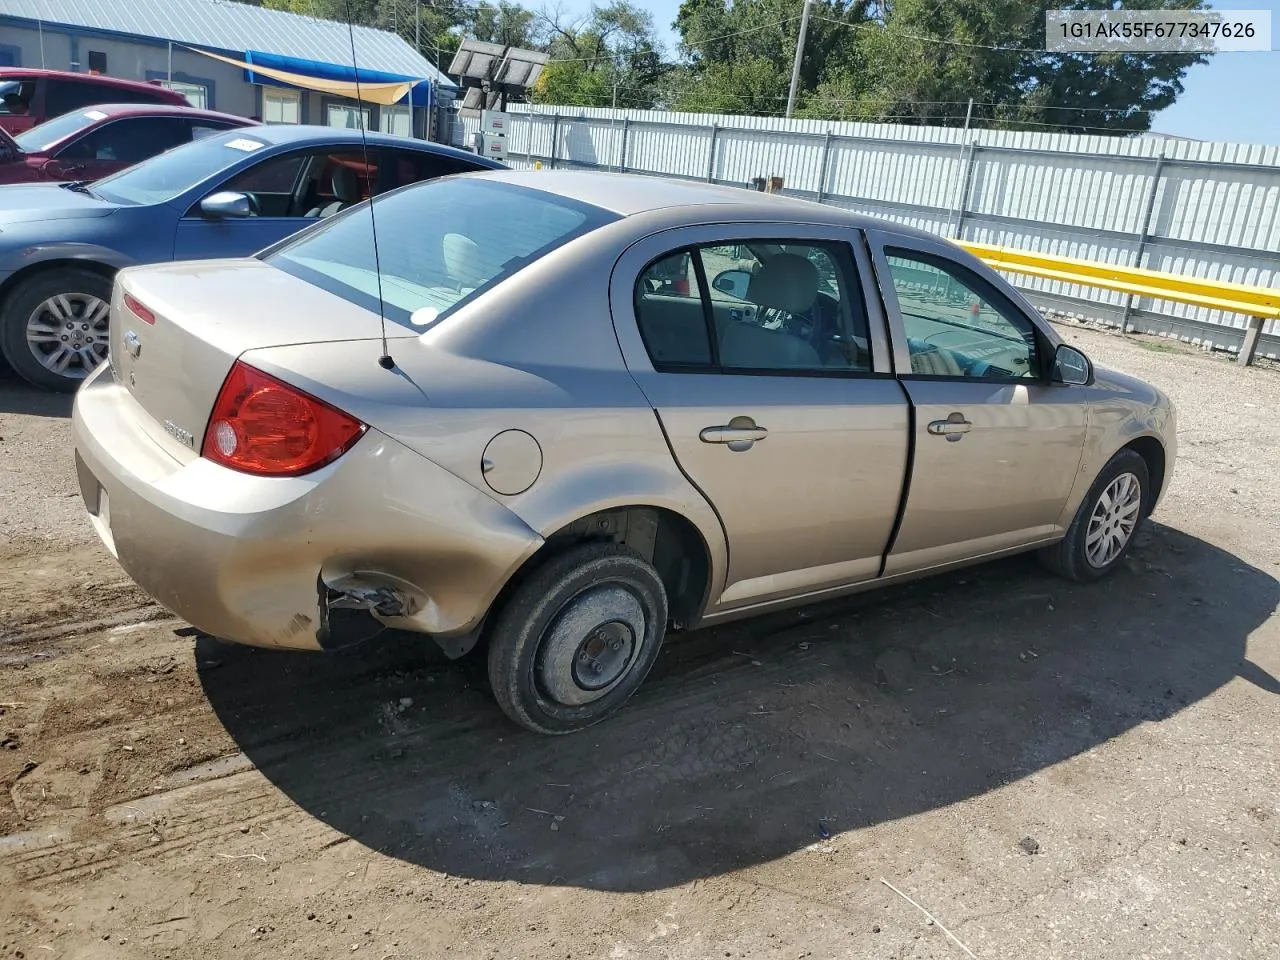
(246, 558)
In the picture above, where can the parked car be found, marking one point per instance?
(225, 195)
(568, 458)
(96, 142)
(29, 96)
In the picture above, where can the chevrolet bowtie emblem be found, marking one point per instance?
(133, 344)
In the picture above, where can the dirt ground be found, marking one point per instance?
(1049, 770)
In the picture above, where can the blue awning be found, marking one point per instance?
(419, 95)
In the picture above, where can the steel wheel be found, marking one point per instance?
(576, 637)
(68, 333)
(1114, 518)
(590, 646)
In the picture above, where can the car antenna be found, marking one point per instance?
(385, 361)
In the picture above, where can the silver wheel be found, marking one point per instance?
(68, 334)
(1114, 518)
(591, 645)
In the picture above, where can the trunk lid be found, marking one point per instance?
(206, 314)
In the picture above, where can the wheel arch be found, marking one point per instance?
(89, 261)
(664, 537)
(1153, 453)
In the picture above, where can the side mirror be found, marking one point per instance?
(1071, 367)
(226, 204)
(733, 282)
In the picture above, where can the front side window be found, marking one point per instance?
(956, 325)
(129, 140)
(16, 97)
(766, 305)
(439, 245)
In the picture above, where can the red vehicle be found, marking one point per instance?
(89, 144)
(29, 97)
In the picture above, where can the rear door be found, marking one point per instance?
(997, 445)
(779, 404)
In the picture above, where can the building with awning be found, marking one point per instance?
(277, 66)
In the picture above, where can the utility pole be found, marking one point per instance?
(795, 69)
(417, 27)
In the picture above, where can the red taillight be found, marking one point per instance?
(263, 426)
(138, 310)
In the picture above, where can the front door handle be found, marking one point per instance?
(740, 433)
(953, 428)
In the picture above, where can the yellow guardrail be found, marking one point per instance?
(1256, 303)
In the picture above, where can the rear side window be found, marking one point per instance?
(755, 306)
(407, 167)
(439, 244)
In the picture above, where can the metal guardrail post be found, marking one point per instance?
(555, 139)
(962, 201)
(711, 154)
(626, 135)
(1144, 235)
(822, 167)
(1252, 334)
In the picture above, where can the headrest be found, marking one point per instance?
(346, 185)
(787, 282)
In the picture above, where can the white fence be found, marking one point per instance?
(1202, 209)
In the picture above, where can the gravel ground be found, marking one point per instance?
(1050, 770)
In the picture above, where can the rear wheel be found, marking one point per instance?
(1104, 526)
(574, 641)
(54, 327)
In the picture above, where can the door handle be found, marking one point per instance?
(739, 434)
(953, 428)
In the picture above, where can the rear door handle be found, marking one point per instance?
(953, 428)
(740, 433)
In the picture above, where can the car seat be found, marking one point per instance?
(346, 192)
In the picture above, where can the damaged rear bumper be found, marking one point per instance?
(261, 560)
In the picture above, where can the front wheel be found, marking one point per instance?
(54, 327)
(574, 641)
(1104, 526)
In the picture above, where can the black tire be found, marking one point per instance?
(538, 668)
(78, 284)
(1070, 557)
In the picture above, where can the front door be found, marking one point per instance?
(997, 445)
(772, 384)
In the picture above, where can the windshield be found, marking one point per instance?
(174, 172)
(43, 136)
(439, 244)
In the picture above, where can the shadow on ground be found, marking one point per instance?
(18, 396)
(748, 741)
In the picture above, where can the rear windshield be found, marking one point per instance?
(439, 244)
(43, 136)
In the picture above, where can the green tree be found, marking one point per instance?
(611, 53)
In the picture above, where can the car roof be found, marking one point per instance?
(13, 73)
(301, 135)
(113, 110)
(629, 194)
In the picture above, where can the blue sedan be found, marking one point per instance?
(226, 195)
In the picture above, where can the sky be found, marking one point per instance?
(1232, 97)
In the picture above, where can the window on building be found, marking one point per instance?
(348, 116)
(396, 120)
(281, 106)
(197, 94)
